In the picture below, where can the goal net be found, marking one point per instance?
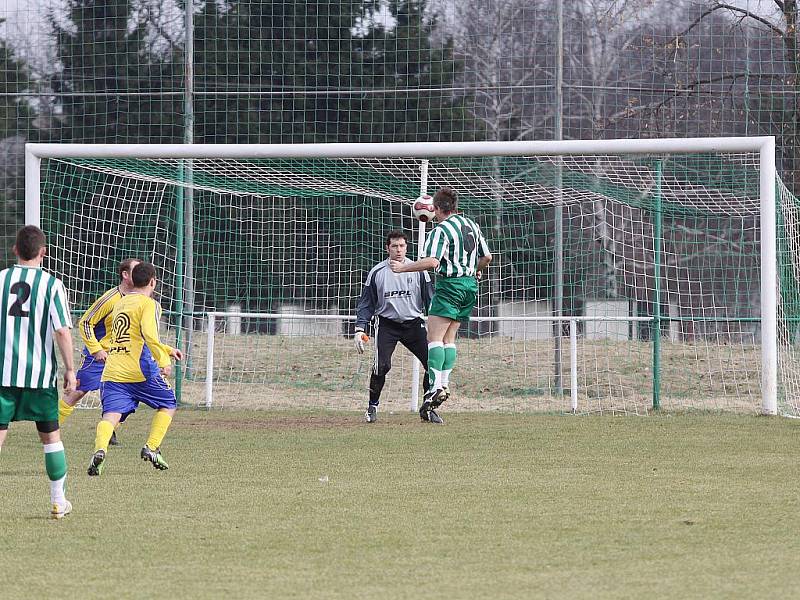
(627, 275)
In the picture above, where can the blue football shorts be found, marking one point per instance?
(89, 374)
(124, 398)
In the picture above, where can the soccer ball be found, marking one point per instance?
(423, 208)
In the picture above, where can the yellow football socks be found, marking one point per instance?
(64, 410)
(104, 431)
(158, 429)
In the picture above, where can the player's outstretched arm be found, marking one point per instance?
(166, 370)
(161, 352)
(423, 264)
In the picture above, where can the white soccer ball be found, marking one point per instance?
(423, 208)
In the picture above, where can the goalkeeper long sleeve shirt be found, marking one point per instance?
(400, 297)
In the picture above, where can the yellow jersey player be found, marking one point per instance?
(134, 371)
(95, 329)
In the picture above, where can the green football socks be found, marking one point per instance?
(55, 461)
(448, 364)
(435, 362)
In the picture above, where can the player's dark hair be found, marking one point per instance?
(446, 200)
(126, 265)
(142, 274)
(395, 235)
(30, 239)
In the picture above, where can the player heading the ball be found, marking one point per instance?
(458, 252)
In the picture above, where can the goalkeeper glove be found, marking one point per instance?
(360, 338)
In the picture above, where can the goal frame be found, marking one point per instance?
(764, 146)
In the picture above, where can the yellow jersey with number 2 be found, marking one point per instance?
(135, 352)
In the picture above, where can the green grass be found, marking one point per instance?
(488, 506)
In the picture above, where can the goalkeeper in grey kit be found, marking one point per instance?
(395, 305)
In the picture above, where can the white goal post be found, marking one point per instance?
(245, 170)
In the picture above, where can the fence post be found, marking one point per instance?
(210, 359)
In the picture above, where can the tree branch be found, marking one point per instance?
(742, 11)
(631, 110)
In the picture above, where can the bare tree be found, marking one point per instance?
(771, 83)
(598, 62)
(507, 49)
(599, 70)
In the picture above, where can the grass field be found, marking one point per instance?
(320, 505)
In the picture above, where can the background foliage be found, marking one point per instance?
(395, 70)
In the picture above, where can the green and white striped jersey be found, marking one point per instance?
(33, 304)
(458, 244)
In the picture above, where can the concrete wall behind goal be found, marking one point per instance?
(601, 330)
(525, 330)
(307, 327)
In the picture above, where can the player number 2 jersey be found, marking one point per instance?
(33, 304)
(135, 352)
